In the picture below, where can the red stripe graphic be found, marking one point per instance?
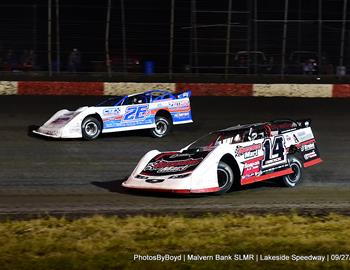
(312, 162)
(266, 176)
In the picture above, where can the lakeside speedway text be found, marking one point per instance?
(241, 257)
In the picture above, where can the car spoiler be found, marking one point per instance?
(303, 123)
(186, 94)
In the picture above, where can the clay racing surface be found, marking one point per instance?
(39, 176)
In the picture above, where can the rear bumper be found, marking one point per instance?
(312, 162)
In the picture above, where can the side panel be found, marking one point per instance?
(180, 109)
(127, 117)
(268, 158)
(141, 116)
(304, 141)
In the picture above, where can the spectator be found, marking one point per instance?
(10, 61)
(30, 61)
(74, 60)
(24, 57)
(309, 67)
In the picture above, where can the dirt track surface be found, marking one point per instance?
(74, 177)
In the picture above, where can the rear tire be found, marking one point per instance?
(90, 128)
(225, 177)
(163, 126)
(291, 180)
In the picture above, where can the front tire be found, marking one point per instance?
(293, 179)
(90, 128)
(163, 126)
(225, 177)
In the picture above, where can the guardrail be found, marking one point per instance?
(198, 89)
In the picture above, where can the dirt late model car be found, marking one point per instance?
(156, 110)
(238, 155)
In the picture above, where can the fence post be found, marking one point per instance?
(342, 39)
(108, 18)
(49, 45)
(319, 36)
(228, 37)
(35, 26)
(58, 53)
(171, 47)
(122, 8)
(284, 38)
(255, 35)
(194, 37)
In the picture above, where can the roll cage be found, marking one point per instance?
(250, 132)
(146, 97)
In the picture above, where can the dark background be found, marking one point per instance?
(24, 25)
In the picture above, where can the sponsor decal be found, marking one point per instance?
(111, 111)
(179, 155)
(179, 103)
(184, 114)
(248, 151)
(308, 147)
(304, 136)
(165, 166)
(251, 168)
(310, 155)
(275, 168)
(153, 181)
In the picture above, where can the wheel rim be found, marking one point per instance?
(161, 127)
(91, 129)
(223, 177)
(294, 177)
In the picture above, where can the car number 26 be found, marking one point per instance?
(136, 113)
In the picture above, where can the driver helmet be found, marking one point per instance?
(237, 138)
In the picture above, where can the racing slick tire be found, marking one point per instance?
(90, 128)
(163, 127)
(225, 177)
(291, 180)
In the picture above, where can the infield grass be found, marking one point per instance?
(110, 242)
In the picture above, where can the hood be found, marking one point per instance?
(170, 163)
(60, 119)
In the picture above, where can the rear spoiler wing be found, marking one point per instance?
(303, 123)
(186, 94)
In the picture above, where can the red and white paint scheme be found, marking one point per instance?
(238, 155)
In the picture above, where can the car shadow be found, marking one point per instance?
(120, 134)
(115, 186)
(276, 183)
(131, 133)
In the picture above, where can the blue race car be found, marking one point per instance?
(156, 110)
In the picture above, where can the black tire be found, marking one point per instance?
(225, 177)
(163, 127)
(90, 128)
(291, 180)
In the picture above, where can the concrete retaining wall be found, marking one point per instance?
(198, 89)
